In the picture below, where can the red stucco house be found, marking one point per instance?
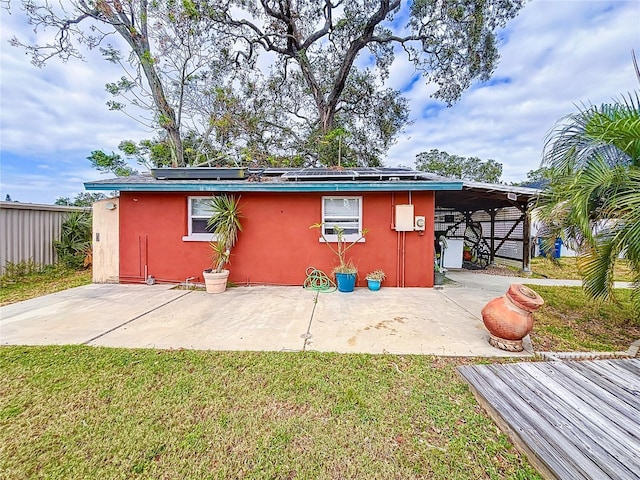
(162, 223)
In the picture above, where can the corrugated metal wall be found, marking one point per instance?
(27, 231)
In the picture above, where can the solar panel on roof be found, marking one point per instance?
(359, 173)
(318, 173)
(199, 173)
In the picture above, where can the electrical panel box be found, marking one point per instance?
(404, 218)
(420, 223)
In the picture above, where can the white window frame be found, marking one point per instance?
(352, 237)
(196, 236)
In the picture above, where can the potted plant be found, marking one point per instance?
(225, 224)
(374, 279)
(346, 277)
(345, 272)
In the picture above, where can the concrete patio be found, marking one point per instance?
(392, 320)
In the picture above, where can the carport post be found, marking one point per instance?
(492, 213)
(526, 240)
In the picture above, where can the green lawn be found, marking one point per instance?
(569, 321)
(85, 412)
(566, 268)
(27, 280)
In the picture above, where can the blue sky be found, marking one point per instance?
(555, 55)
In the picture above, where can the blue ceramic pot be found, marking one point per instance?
(374, 284)
(346, 281)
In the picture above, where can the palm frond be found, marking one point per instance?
(609, 131)
(618, 125)
(593, 197)
(596, 269)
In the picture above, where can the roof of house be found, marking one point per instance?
(278, 180)
(450, 193)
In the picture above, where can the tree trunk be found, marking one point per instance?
(327, 118)
(167, 116)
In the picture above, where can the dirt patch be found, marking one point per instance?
(385, 324)
(500, 270)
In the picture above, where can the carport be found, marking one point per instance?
(493, 222)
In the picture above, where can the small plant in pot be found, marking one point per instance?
(374, 279)
(225, 224)
(345, 272)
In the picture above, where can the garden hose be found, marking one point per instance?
(318, 281)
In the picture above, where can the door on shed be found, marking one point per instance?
(106, 243)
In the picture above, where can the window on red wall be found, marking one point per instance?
(342, 212)
(198, 214)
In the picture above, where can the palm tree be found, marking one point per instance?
(593, 199)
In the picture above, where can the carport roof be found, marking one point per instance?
(484, 196)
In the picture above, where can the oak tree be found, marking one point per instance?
(330, 59)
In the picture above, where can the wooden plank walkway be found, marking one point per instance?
(573, 419)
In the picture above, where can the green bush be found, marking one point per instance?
(14, 271)
(74, 246)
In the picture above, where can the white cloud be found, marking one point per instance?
(60, 107)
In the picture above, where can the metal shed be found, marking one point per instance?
(28, 231)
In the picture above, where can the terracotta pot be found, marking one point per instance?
(510, 318)
(215, 282)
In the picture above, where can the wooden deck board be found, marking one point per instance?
(534, 446)
(547, 423)
(578, 422)
(603, 397)
(574, 420)
(614, 411)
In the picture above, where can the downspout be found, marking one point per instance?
(139, 256)
(393, 227)
(146, 257)
(404, 247)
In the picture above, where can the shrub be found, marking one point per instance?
(74, 246)
(20, 269)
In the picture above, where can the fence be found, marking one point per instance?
(27, 231)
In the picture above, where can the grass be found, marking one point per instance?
(570, 321)
(566, 268)
(85, 412)
(27, 280)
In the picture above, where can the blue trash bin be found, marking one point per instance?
(544, 252)
(558, 248)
